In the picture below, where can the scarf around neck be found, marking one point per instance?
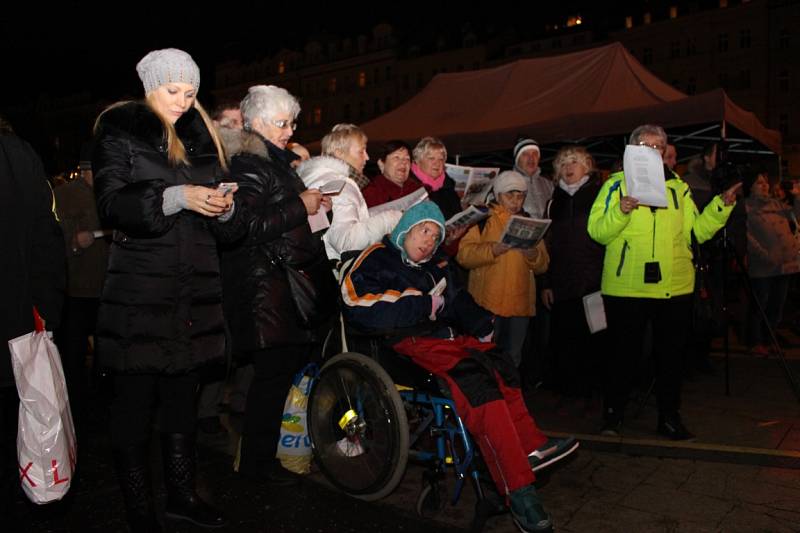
(572, 189)
(433, 182)
(360, 179)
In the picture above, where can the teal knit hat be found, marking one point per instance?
(422, 212)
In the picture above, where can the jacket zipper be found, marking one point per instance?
(622, 258)
(653, 211)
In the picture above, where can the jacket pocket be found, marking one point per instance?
(622, 258)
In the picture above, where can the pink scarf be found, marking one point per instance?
(433, 183)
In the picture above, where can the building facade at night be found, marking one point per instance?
(748, 48)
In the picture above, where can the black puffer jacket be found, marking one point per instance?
(161, 307)
(576, 260)
(258, 304)
(445, 198)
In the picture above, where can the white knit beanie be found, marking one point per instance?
(509, 180)
(169, 65)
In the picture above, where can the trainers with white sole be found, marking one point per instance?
(552, 451)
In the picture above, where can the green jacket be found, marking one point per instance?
(647, 234)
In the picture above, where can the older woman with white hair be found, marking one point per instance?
(264, 324)
(344, 154)
(648, 276)
(429, 157)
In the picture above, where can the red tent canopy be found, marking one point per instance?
(595, 92)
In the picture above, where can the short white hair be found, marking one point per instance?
(266, 101)
(647, 129)
(425, 145)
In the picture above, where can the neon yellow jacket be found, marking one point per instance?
(647, 235)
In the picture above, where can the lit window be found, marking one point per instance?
(317, 115)
(362, 79)
(647, 18)
(281, 67)
(673, 12)
(629, 22)
(332, 85)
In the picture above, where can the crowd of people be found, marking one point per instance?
(180, 272)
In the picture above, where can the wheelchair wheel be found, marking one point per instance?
(358, 427)
(431, 500)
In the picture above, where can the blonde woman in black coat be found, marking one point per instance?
(158, 164)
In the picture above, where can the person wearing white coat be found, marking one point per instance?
(344, 152)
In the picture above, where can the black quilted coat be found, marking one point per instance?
(161, 306)
(258, 304)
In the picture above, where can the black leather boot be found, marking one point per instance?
(133, 474)
(183, 503)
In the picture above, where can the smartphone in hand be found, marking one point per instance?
(226, 187)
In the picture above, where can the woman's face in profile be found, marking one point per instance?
(173, 99)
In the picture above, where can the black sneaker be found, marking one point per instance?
(611, 428)
(673, 429)
(612, 423)
(552, 451)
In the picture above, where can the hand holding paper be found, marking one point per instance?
(644, 176)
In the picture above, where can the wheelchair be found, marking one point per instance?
(372, 410)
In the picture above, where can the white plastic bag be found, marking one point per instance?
(46, 447)
(294, 445)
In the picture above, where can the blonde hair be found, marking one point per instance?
(425, 145)
(339, 139)
(567, 153)
(176, 152)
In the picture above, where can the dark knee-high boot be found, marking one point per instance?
(133, 474)
(183, 503)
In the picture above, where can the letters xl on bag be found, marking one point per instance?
(46, 447)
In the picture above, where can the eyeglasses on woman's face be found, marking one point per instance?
(283, 124)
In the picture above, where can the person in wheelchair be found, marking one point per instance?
(402, 289)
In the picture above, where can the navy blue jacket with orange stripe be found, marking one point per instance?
(382, 293)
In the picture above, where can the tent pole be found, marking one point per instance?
(726, 315)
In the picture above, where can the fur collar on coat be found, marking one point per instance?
(137, 120)
(237, 142)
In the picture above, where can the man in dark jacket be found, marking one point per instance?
(401, 283)
(32, 262)
(86, 246)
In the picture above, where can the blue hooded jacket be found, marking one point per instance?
(385, 292)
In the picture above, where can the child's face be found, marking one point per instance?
(512, 201)
(421, 241)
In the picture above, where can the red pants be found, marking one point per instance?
(485, 389)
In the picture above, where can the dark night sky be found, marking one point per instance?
(67, 47)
